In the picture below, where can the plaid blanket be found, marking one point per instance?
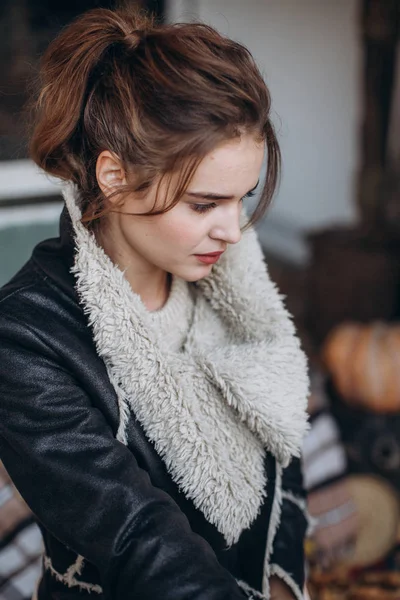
(21, 544)
(325, 469)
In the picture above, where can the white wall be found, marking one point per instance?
(309, 53)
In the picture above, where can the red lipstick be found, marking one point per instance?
(210, 258)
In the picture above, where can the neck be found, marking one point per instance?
(153, 288)
(151, 283)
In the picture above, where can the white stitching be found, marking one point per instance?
(300, 502)
(68, 577)
(288, 579)
(273, 526)
(302, 505)
(251, 593)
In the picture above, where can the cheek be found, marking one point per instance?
(182, 230)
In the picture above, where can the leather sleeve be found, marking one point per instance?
(86, 488)
(287, 560)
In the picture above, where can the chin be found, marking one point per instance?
(192, 275)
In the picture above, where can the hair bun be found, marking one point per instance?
(132, 39)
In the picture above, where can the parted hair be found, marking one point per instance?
(160, 97)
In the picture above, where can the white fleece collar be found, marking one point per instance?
(214, 451)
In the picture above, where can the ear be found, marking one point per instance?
(109, 172)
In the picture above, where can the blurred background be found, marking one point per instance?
(331, 239)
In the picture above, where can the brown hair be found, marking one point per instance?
(160, 97)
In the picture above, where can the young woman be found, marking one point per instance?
(152, 389)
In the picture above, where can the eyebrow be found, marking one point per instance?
(213, 196)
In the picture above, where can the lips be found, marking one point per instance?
(210, 258)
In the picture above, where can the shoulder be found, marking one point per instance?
(40, 298)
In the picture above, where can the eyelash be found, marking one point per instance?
(203, 208)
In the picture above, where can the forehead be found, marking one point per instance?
(231, 166)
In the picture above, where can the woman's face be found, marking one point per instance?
(204, 221)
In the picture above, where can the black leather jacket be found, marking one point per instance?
(116, 506)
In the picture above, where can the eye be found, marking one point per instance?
(203, 208)
(249, 195)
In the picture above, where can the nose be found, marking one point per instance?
(227, 229)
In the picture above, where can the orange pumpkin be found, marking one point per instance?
(364, 362)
